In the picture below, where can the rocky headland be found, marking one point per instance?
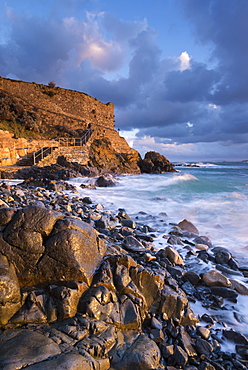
(84, 288)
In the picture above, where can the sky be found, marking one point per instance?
(176, 70)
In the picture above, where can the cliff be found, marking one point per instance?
(33, 115)
(40, 123)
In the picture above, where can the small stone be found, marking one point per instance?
(204, 332)
(157, 335)
(239, 287)
(129, 223)
(215, 278)
(155, 323)
(203, 240)
(174, 256)
(192, 277)
(202, 247)
(203, 347)
(180, 355)
(188, 226)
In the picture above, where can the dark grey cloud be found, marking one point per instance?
(158, 95)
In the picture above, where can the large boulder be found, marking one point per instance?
(155, 163)
(46, 246)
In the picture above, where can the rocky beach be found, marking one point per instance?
(85, 288)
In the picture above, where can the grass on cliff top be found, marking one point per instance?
(18, 130)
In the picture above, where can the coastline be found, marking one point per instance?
(182, 276)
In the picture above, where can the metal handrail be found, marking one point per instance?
(62, 141)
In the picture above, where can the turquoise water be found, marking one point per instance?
(213, 196)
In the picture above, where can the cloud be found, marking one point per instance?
(172, 97)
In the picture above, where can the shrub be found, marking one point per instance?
(51, 84)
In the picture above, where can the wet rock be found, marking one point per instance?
(203, 255)
(167, 350)
(235, 337)
(10, 296)
(239, 287)
(222, 255)
(132, 244)
(186, 342)
(173, 303)
(215, 278)
(228, 270)
(128, 223)
(105, 181)
(175, 240)
(188, 226)
(242, 350)
(143, 354)
(25, 348)
(203, 347)
(174, 256)
(203, 240)
(225, 292)
(71, 254)
(204, 332)
(192, 277)
(201, 247)
(180, 355)
(155, 163)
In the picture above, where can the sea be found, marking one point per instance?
(213, 196)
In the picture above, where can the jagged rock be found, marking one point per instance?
(180, 355)
(25, 348)
(104, 157)
(101, 304)
(148, 283)
(143, 354)
(10, 296)
(186, 342)
(155, 163)
(215, 278)
(67, 300)
(188, 226)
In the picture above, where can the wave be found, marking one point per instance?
(175, 179)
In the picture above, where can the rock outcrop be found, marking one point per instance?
(155, 163)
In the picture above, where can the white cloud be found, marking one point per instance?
(184, 59)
